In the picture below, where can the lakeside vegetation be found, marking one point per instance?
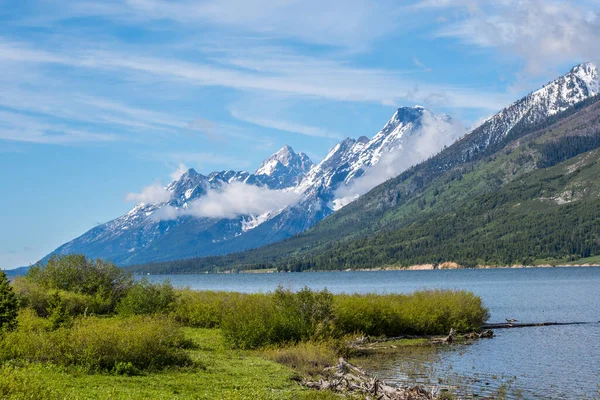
(78, 328)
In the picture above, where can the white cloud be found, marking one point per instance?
(175, 175)
(19, 127)
(286, 126)
(427, 141)
(152, 194)
(350, 23)
(268, 70)
(544, 33)
(232, 200)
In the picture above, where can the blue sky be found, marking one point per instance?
(101, 98)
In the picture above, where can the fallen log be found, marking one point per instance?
(350, 379)
(506, 325)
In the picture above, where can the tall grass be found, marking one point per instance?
(24, 383)
(431, 312)
(97, 344)
(203, 309)
(280, 317)
(251, 321)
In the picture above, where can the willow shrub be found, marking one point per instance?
(43, 300)
(145, 298)
(257, 320)
(203, 309)
(18, 383)
(283, 316)
(431, 312)
(97, 344)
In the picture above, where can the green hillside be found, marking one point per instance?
(532, 196)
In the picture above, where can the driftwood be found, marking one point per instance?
(488, 333)
(504, 325)
(350, 379)
(450, 337)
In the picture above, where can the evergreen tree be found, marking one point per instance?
(9, 304)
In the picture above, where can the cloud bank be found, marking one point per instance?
(427, 141)
(233, 200)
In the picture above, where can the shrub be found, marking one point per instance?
(283, 316)
(203, 309)
(44, 301)
(78, 274)
(97, 344)
(147, 298)
(431, 312)
(9, 304)
(23, 383)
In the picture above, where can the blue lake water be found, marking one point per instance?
(561, 362)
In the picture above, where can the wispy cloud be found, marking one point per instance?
(419, 64)
(199, 159)
(175, 175)
(272, 73)
(545, 34)
(357, 22)
(286, 126)
(434, 134)
(152, 194)
(22, 128)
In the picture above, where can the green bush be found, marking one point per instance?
(97, 344)
(283, 316)
(78, 274)
(23, 383)
(431, 312)
(146, 298)
(43, 301)
(9, 304)
(203, 309)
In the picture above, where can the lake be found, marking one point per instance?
(561, 362)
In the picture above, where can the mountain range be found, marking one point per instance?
(184, 226)
(520, 188)
(339, 187)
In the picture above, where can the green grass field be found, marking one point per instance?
(218, 373)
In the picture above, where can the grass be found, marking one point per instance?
(160, 343)
(219, 373)
(97, 344)
(421, 313)
(589, 260)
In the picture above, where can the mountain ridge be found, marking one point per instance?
(408, 186)
(151, 231)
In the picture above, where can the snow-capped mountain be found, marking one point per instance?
(143, 230)
(141, 236)
(350, 158)
(581, 83)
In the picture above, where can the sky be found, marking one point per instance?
(99, 99)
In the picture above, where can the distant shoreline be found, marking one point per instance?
(418, 267)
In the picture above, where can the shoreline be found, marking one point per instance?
(417, 267)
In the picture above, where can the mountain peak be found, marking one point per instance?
(588, 73)
(286, 149)
(285, 159)
(189, 173)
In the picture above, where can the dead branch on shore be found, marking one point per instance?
(350, 379)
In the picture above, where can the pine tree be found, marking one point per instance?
(9, 304)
